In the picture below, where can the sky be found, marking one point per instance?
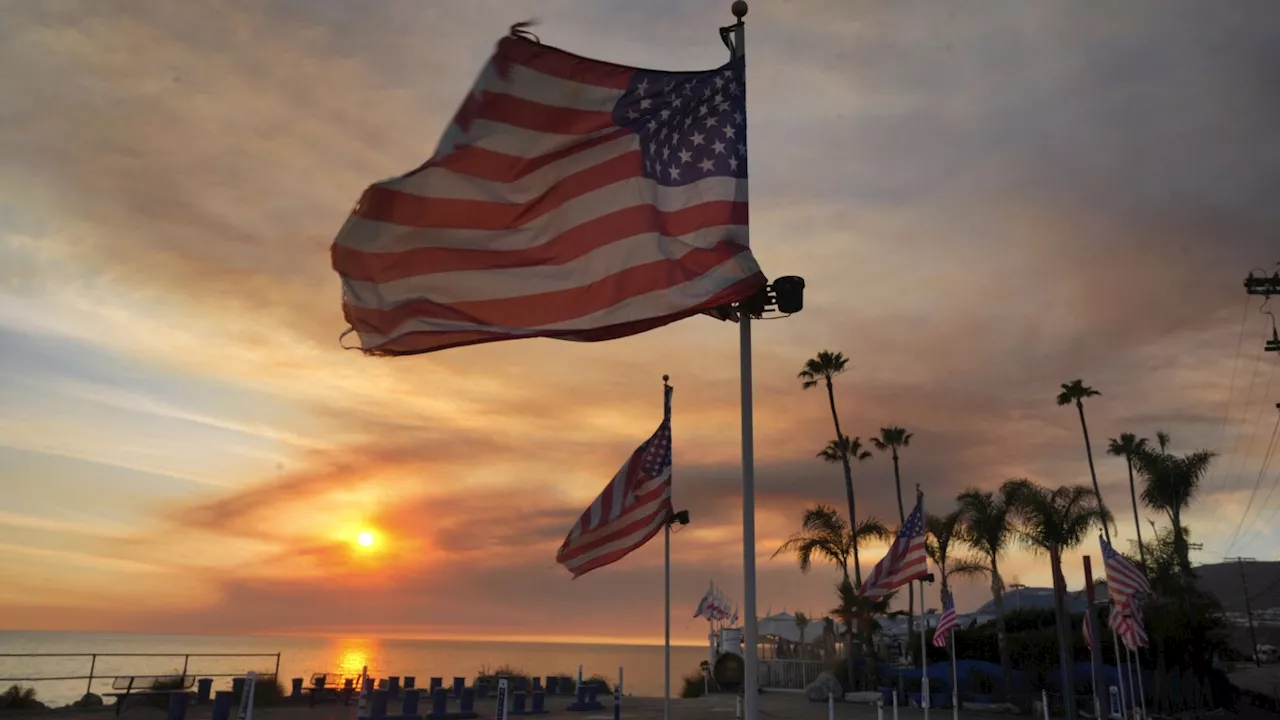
(986, 200)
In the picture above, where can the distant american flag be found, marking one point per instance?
(905, 561)
(631, 509)
(1124, 579)
(1126, 619)
(569, 198)
(946, 623)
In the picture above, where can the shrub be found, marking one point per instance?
(18, 697)
(519, 680)
(693, 686)
(600, 681)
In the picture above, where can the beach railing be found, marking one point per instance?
(789, 674)
(95, 673)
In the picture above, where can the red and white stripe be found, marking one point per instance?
(534, 219)
(905, 561)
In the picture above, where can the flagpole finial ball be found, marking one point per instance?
(666, 378)
(739, 9)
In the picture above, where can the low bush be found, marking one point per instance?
(18, 697)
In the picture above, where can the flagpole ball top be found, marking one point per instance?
(739, 9)
(666, 378)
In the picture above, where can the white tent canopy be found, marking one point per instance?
(783, 625)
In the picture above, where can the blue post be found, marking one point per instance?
(553, 685)
(517, 702)
(593, 692)
(222, 701)
(237, 686)
(539, 702)
(178, 706)
(582, 695)
(379, 709)
(458, 684)
(537, 683)
(393, 685)
(482, 690)
(204, 688)
(468, 702)
(617, 703)
(410, 708)
(435, 683)
(410, 682)
(296, 690)
(439, 702)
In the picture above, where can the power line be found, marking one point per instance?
(1231, 389)
(1266, 460)
(1248, 608)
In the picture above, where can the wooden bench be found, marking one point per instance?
(148, 685)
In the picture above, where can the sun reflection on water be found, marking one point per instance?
(353, 655)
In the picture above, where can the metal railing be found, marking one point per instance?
(93, 665)
(789, 674)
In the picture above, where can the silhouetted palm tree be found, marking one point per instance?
(858, 611)
(891, 439)
(825, 535)
(987, 529)
(1075, 392)
(823, 369)
(1170, 483)
(802, 623)
(1128, 446)
(941, 534)
(1053, 522)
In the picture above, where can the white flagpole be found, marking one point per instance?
(1133, 689)
(924, 657)
(955, 684)
(1115, 641)
(666, 644)
(751, 700)
(1142, 694)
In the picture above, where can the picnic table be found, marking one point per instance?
(131, 685)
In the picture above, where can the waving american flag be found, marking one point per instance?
(569, 198)
(630, 510)
(946, 624)
(1124, 579)
(905, 561)
(1126, 619)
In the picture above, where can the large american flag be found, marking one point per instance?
(905, 561)
(1126, 620)
(1124, 579)
(631, 509)
(946, 624)
(569, 198)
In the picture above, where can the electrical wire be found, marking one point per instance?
(1235, 460)
(1266, 460)
(1235, 366)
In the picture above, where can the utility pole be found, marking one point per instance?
(1248, 609)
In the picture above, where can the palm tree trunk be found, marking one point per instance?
(1065, 656)
(1137, 524)
(1002, 633)
(1088, 450)
(848, 482)
(1180, 543)
(911, 587)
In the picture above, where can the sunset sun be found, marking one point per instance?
(365, 539)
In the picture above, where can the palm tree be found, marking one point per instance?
(987, 529)
(826, 536)
(861, 612)
(1053, 522)
(1170, 483)
(891, 439)
(1076, 391)
(842, 450)
(802, 623)
(941, 534)
(1127, 447)
(823, 369)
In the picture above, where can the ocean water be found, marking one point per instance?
(303, 656)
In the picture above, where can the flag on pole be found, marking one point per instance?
(569, 198)
(704, 605)
(1124, 579)
(1088, 634)
(734, 619)
(1126, 619)
(905, 561)
(632, 508)
(946, 623)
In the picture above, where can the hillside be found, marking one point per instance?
(1223, 580)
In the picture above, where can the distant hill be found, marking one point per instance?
(1223, 581)
(1039, 598)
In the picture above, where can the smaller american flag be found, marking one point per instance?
(946, 623)
(905, 561)
(1088, 634)
(1124, 579)
(1126, 620)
